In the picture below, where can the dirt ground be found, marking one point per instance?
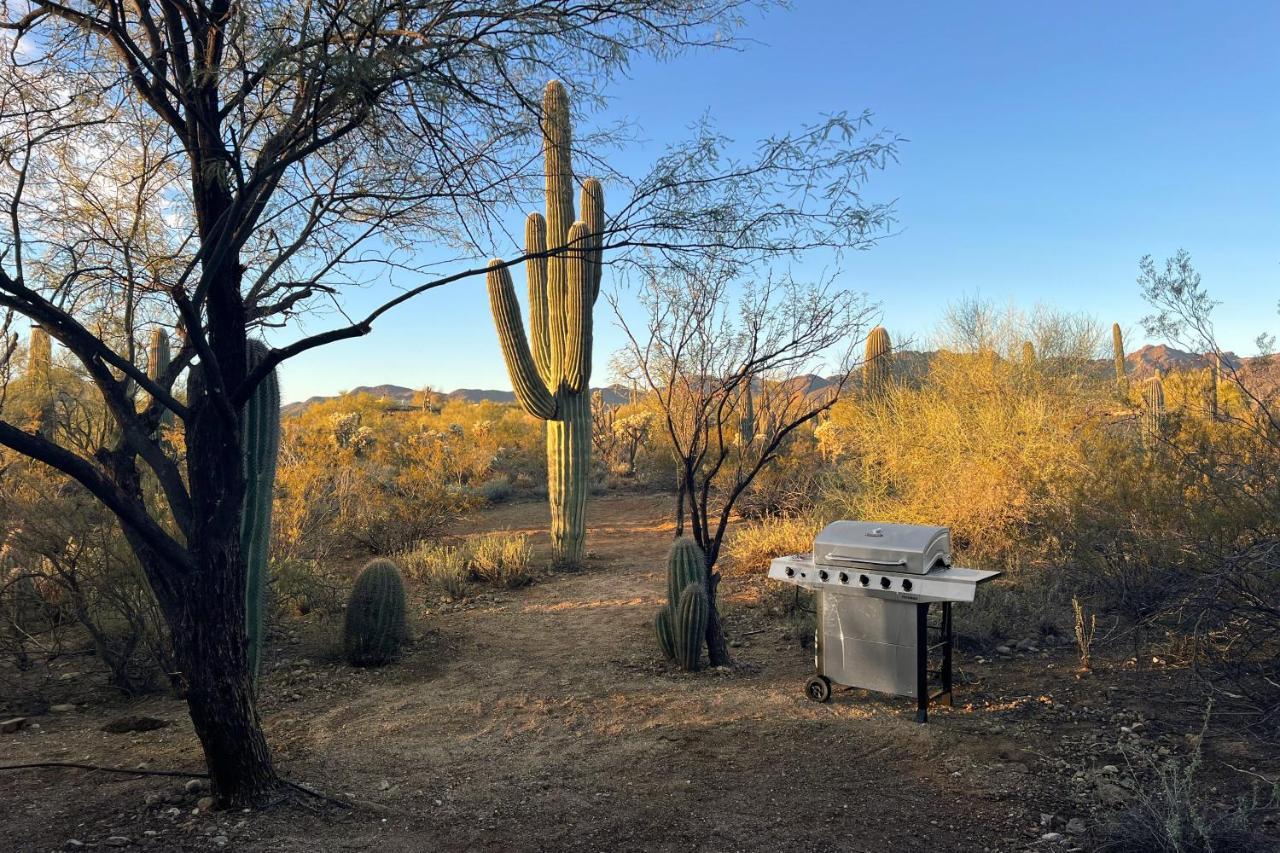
(543, 719)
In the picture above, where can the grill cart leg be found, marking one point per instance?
(922, 662)
(818, 688)
(947, 644)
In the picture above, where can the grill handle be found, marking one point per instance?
(869, 562)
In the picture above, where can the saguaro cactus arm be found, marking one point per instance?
(579, 300)
(535, 246)
(592, 206)
(525, 379)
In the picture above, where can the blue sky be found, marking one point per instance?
(1050, 147)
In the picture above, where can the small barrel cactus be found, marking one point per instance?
(375, 625)
(681, 634)
(686, 564)
(666, 639)
(690, 626)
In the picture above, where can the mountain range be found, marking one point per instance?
(1142, 363)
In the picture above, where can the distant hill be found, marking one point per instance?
(908, 365)
(613, 395)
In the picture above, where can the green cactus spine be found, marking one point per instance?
(261, 444)
(690, 626)
(374, 629)
(686, 564)
(1153, 408)
(1117, 345)
(876, 366)
(550, 369)
(666, 639)
(686, 571)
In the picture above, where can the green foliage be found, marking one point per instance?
(501, 559)
(690, 626)
(551, 368)
(261, 445)
(375, 628)
(442, 567)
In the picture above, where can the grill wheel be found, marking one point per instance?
(818, 688)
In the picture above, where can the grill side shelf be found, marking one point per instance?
(950, 584)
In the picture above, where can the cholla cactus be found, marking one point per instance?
(876, 366)
(550, 369)
(1117, 345)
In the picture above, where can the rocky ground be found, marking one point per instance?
(542, 719)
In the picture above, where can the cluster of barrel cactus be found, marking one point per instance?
(374, 630)
(681, 625)
(877, 363)
(550, 368)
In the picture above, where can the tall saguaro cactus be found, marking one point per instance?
(1153, 409)
(1117, 344)
(875, 367)
(158, 358)
(550, 368)
(39, 380)
(261, 449)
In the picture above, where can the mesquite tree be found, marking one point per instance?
(708, 346)
(219, 168)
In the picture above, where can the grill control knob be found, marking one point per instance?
(906, 584)
(864, 580)
(885, 583)
(823, 574)
(791, 572)
(844, 577)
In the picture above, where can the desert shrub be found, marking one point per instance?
(444, 568)
(751, 545)
(1170, 809)
(302, 587)
(496, 490)
(501, 559)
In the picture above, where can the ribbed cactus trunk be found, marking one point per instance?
(1153, 410)
(159, 356)
(39, 379)
(261, 450)
(550, 368)
(877, 363)
(1117, 345)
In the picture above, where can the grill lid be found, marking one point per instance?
(911, 548)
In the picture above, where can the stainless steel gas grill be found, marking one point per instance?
(874, 584)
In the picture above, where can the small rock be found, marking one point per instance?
(1052, 837)
(1076, 826)
(384, 785)
(196, 786)
(1004, 650)
(221, 840)
(1110, 768)
(134, 723)
(118, 841)
(74, 844)
(205, 804)
(1112, 795)
(735, 644)
(1025, 645)
(64, 708)
(10, 726)
(1046, 819)
(153, 799)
